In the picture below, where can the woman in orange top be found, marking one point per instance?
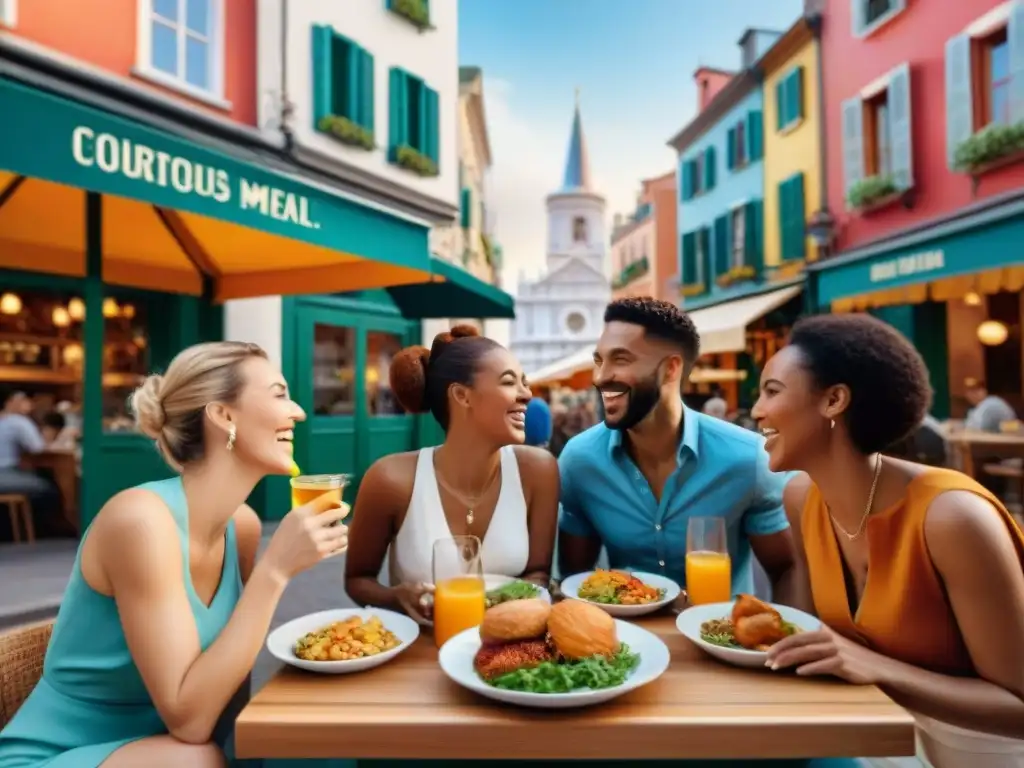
(917, 573)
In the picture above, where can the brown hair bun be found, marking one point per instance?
(408, 377)
(442, 340)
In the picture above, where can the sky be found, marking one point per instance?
(633, 61)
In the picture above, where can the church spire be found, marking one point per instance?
(577, 164)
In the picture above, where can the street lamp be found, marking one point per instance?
(821, 228)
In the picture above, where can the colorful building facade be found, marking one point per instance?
(644, 254)
(925, 181)
(724, 283)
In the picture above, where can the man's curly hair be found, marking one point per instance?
(660, 319)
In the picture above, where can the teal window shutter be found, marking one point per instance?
(431, 124)
(752, 255)
(780, 104)
(797, 204)
(322, 87)
(722, 245)
(755, 135)
(467, 211)
(353, 82)
(730, 149)
(686, 178)
(704, 266)
(784, 206)
(797, 90)
(365, 115)
(709, 168)
(689, 259)
(398, 124)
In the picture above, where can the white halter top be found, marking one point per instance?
(505, 547)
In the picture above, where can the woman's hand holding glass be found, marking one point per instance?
(307, 535)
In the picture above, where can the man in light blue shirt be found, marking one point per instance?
(633, 482)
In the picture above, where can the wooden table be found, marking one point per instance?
(63, 465)
(699, 708)
(975, 444)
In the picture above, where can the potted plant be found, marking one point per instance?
(347, 132)
(416, 12)
(872, 192)
(413, 160)
(993, 146)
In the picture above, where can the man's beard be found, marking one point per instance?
(643, 396)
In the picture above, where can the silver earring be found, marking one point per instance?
(831, 424)
(232, 434)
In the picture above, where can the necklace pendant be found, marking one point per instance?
(469, 517)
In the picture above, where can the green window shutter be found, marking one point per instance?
(721, 245)
(798, 236)
(798, 93)
(755, 135)
(784, 217)
(686, 179)
(321, 73)
(752, 255)
(730, 149)
(467, 211)
(689, 259)
(365, 114)
(709, 168)
(353, 82)
(704, 268)
(398, 121)
(780, 104)
(431, 124)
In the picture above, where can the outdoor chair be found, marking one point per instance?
(22, 650)
(20, 511)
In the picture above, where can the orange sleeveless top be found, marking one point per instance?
(904, 613)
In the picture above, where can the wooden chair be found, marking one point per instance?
(1012, 474)
(20, 511)
(22, 651)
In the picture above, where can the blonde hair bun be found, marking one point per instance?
(148, 408)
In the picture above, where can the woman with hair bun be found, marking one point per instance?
(482, 480)
(916, 572)
(167, 607)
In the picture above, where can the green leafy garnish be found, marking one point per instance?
(514, 590)
(722, 639)
(594, 673)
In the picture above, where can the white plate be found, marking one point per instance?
(457, 656)
(281, 642)
(688, 622)
(494, 580)
(570, 588)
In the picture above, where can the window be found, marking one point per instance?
(877, 136)
(579, 229)
(181, 41)
(8, 13)
(789, 99)
(466, 206)
(414, 124)
(334, 354)
(381, 348)
(979, 71)
(869, 15)
(791, 218)
(739, 238)
(342, 89)
(736, 146)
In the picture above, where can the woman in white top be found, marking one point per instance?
(482, 480)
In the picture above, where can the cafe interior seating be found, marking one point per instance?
(20, 510)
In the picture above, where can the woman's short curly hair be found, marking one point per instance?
(890, 389)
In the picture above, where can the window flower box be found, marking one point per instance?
(631, 272)
(695, 289)
(736, 275)
(416, 12)
(994, 146)
(872, 193)
(347, 132)
(415, 161)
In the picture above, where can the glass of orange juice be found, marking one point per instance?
(708, 567)
(458, 587)
(305, 488)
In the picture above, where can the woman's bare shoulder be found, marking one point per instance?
(391, 478)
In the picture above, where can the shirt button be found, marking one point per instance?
(661, 563)
(657, 527)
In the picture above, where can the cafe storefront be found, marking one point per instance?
(953, 288)
(121, 241)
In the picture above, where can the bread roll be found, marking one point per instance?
(515, 620)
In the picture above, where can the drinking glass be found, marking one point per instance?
(458, 587)
(305, 488)
(708, 566)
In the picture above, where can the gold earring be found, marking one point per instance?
(831, 424)
(232, 434)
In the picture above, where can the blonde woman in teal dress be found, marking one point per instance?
(167, 606)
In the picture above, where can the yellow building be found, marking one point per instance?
(792, 147)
